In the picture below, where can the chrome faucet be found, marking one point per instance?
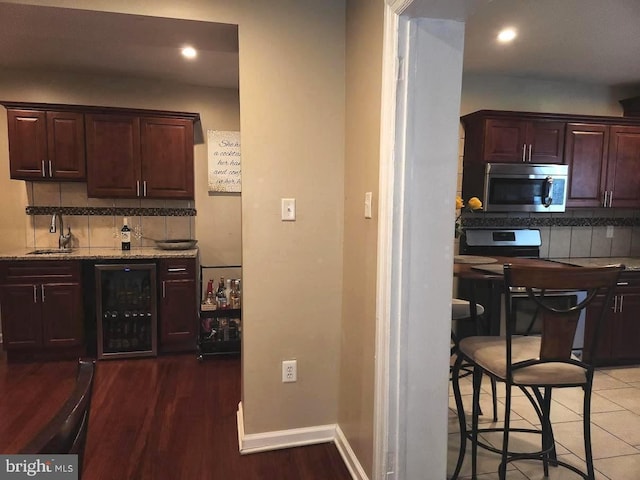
(64, 240)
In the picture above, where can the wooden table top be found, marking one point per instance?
(466, 270)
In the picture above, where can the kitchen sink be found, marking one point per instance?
(48, 251)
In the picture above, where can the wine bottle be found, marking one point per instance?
(125, 235)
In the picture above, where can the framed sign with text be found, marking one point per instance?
(224, 165)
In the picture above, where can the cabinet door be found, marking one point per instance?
(65, 142)
(21, 319)
(623, 166)
(113, 156)
(62, 315)
(545, 142)
(505, 141)
(167, 158)
(626, 339)
(178, 314)
(27, 144)
(586, 155)
(604, 353)
(517, 141)
(178, 311)
(46, 145)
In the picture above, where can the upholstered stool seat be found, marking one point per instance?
(490, 352)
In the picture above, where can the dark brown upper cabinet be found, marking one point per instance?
(603, 153)
(586, 155)
(604, 165)
(129, 156)
(46, 145)
(120, 152)
(511, 139)
(623, 167)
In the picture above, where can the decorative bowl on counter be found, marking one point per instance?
(176, 244)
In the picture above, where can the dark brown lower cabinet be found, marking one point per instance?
(42, 309)
(619, 336)
(178, 300)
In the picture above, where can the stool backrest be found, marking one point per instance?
(559, 324)
(66, 432)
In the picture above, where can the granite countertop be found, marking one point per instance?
(631, 263)
(99, 254)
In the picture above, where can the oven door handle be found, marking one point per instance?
(547, 199)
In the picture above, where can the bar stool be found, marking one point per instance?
(537, 365)
(465, 310)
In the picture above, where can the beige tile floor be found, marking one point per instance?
(615, 430)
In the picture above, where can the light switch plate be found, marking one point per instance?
(367, 204)
(288, 206)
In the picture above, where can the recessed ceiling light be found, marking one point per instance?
(506, 35)
(189, 52)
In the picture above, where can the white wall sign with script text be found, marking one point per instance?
(225, 169)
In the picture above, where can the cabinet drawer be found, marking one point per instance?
(177, 268)
(628, 281)
(39, 271)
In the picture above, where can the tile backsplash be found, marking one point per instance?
(97, 222)
(575, 233)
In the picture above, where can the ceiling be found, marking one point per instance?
(591, 41)
(82, 41)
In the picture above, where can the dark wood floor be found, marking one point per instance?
(170, 418)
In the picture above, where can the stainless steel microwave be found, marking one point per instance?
(516, 187)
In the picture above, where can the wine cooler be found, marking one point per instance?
(126, 310)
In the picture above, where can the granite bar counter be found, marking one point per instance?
(98, 254)
(631, 263)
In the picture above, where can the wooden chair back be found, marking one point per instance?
(559, 324)
(66, 432)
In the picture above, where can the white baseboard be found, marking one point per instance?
(349, 457)
(296, 437)
(260, 442)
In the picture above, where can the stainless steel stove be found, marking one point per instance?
(502, 242)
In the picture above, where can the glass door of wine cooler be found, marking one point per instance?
(126, 310)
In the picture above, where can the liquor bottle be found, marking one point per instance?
(227, 291)
(221, 296)
(209, 298)
(125, 235)
(235, 294)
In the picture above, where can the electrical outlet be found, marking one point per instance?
(289, 371)
(609, 231)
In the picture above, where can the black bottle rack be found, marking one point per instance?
(219, 330)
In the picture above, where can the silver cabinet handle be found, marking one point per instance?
(177, 269)
(524, 148)
(144, 188)
(35, 294)
(138, 188)
(604, 204)
(621, 300)
(530, 152)
(615, 304)
(610, 198)
(164, 289)
(43, 173)
(50, 170)
(42, 290)
(622, 284)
